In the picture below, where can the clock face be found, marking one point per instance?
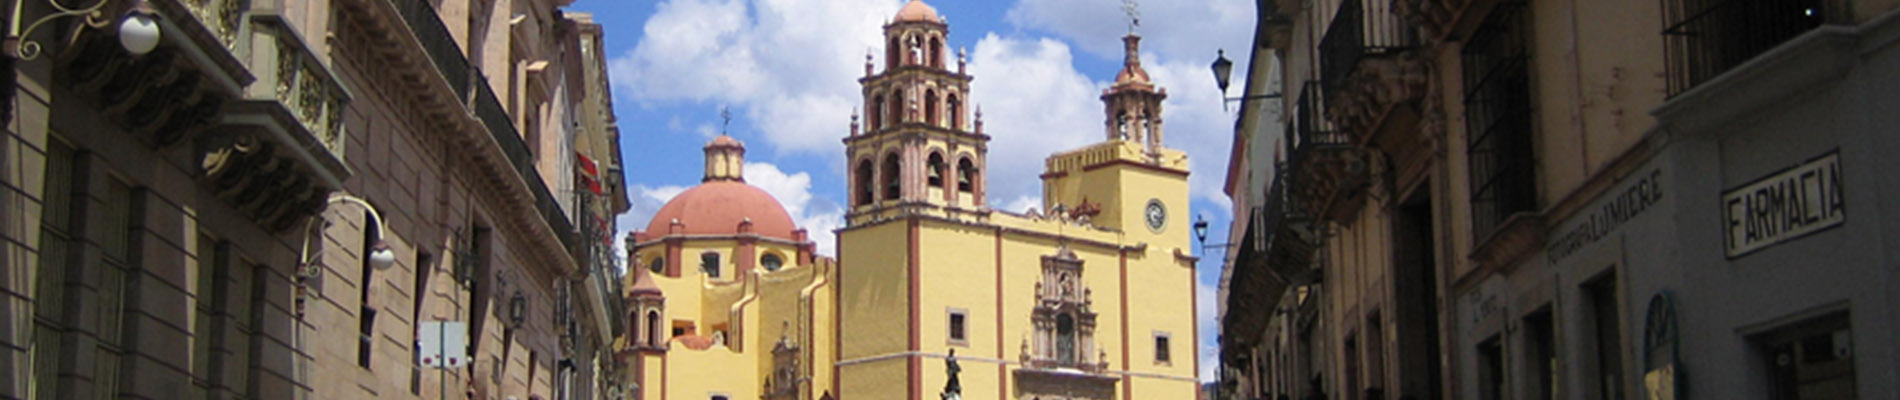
(1157, 215)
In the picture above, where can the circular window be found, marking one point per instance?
(657, 265)
(772, 262)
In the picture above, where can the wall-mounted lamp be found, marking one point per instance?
(139, 32)
(517, 310)
(1223, 74)
(1200, 234)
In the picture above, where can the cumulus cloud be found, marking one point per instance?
(817, 216)
(1034, 103)
(643, 201)
(788, 67)
(1177, 29)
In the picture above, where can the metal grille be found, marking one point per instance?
(437, 42)
(1705, 38)
(1498, 119)
(448, 58)
(1356, 31)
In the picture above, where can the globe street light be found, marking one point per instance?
(138, 32)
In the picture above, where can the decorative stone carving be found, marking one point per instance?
(1433, 16)
(1378, 84)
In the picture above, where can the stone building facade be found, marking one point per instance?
(210, 217)
(1493, 199)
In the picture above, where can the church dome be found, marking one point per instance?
(916, 10)
(718, 207)
(723, 200)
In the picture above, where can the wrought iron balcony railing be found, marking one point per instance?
(437, 42)
(448, 58)
(1705, 38)
(1359, 30)
(1311, 128)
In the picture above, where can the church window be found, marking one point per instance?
(1065, 339)
(772, 262)
(891, 179)
(1161, 347)
(653, 327)
(709, 264)
(936, 170)
(658, 264)
(954, 107)
(959, 333)
(966, 175)
(936, 52)
(890, 54)
(877, 113)
(896, 113)
(930, 107)
(1121, 125)
(865, 188)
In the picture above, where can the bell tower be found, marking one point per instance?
(916, 144)
(1133, 104)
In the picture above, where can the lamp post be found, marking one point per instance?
(138, 31)
(1223, 74)
(1200, 234)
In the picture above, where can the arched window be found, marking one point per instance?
(966, 175)
(935, 169)
(709, 264)
(653, 327)
(1065, 339)
(936, 52)
(891, 53)
(896, 113)
(954, 107)
(891, 177)
(877, 113)
(658, 265)
(772, 262)
(865, 184)
(1121, 125)
(930, 107)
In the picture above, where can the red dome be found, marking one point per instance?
(916, 10)
(717, 208)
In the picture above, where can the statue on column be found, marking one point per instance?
(953, 389)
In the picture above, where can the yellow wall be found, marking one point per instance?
(751, 308)
(958, 256)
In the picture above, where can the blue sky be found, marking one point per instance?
(787, 69)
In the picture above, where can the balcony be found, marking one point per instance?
(1327, 171)
(281, 143)
(234, 86)
(1370, 76)
(1706, 38)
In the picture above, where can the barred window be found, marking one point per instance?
(57, 253)
(1704, 38)
(1498, 116)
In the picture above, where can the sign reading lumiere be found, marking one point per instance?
(1780, 207)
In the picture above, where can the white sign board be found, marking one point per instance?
(444, 344)
(1780, 207)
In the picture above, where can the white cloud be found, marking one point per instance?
(643, 202)
(1034, 103)
(793, 191)
(1177, 29)
(789, 67)
(1023, 204)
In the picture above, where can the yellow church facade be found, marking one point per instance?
(933, 292)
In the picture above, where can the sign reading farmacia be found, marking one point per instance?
(1780, 207)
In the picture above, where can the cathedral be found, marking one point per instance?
(934, 293)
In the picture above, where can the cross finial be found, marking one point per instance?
(1134, 14)
(725, 119)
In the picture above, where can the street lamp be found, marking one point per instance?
(139, 31)
(380, 256)
(1223, 75)
(1200, 234)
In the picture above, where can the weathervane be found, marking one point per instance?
(1134, 15)
(725, 118)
